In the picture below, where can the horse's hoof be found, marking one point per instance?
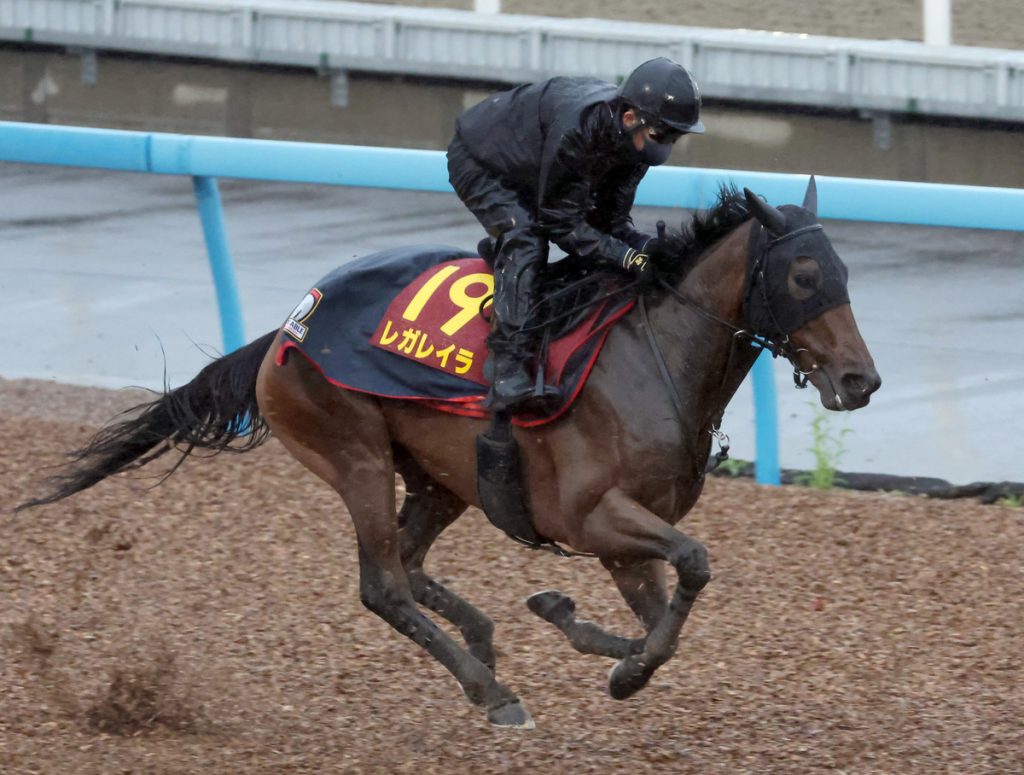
(552, 606)
(513, 715)
(629, 676)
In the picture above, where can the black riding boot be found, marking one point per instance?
(512, 371)
(508, 369)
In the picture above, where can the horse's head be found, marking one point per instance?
(796, 297)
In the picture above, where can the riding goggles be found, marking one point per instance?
(662, 133)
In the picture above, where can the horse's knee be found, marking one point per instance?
(693, 566)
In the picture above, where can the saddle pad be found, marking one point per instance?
(406, 323)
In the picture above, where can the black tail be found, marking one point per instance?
(211, 412)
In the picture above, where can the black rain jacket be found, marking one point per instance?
(557, 143)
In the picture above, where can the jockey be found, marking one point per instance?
(559, 161)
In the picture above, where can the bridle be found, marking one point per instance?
(778, 345)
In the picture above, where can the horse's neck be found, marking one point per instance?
(699, 351)
(716, 283)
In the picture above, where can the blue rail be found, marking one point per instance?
(855, 199)
(207, 158)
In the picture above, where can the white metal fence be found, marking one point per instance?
(896, 76)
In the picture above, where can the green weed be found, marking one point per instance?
(828, 448)
(733, 466)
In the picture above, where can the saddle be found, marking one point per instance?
(411, 323)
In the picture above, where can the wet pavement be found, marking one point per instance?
(105, 280)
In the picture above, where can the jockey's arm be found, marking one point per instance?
(613, 203)
(562, 208)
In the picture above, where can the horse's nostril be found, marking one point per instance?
(856, 384)
(860, 384)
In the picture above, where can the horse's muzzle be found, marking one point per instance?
(855, 388)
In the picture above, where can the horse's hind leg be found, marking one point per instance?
(642, 587)
(586, 637)
(428, 509)
(342, 438)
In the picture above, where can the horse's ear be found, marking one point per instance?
(811, 197)
(774, 220)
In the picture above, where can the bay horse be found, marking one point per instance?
(610, 478)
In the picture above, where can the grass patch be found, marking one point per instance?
(828, 447)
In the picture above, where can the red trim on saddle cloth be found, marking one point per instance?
(559, 354)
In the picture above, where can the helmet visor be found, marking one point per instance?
(695, 128)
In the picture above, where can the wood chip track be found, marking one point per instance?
(212, 624)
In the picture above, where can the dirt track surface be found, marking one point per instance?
(213, 625)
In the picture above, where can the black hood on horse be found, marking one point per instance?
(796, 275)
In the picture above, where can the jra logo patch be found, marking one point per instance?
(296, 322)
(436, 319)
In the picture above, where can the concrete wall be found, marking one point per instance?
(194, 98)
(996, 23)
(828, 145)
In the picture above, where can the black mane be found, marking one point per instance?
(704, 229)
(572, 285)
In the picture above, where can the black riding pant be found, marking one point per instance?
(521, 251)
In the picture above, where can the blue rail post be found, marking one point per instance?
(766, 428)
(212, 216)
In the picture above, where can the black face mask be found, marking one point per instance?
(796, 277)
(653, 153)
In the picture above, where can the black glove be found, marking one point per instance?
(658, 247)
(639, 265)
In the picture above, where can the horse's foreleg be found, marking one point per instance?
(427, 511)
(620, 529)
(642, 586)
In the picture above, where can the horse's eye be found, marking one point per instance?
(804, 278)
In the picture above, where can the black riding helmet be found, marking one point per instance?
(663, 92)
